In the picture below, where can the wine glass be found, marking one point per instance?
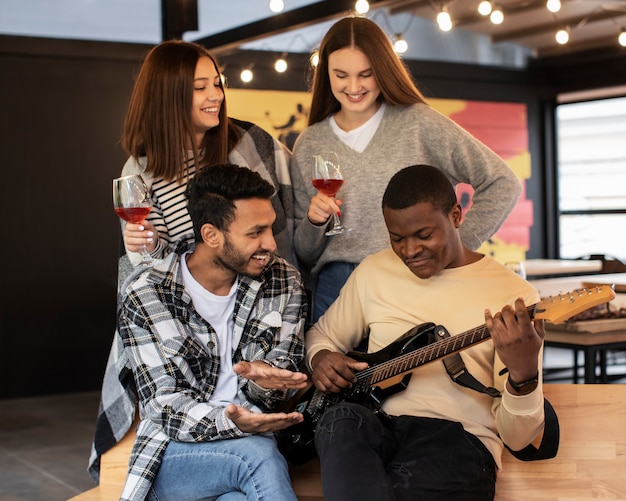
(327, 179)
(132, 203)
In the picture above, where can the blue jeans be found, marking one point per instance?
(330, 280)
(405, 458)
(240, 469)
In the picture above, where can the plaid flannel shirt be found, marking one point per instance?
(175, 376)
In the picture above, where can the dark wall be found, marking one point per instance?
(62, 106)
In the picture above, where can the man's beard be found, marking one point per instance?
(233, 260)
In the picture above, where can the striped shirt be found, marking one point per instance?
(258, 151)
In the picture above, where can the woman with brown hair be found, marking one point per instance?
(366, 108)
(177, 123)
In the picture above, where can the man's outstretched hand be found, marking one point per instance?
(271, 378)
(256, 422)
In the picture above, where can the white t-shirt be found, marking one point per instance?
(359, 138)
(217, 311)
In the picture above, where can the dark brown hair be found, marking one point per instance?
(158, 121)
(392, 76)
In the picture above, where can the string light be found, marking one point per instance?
(562, 36)
(496, 16)
(400, 46)
(277, 5)
(315, 58)
(362, 6)
(485, 8)
(444, 20)
(553, 5)
(280, 65)
(246, 75)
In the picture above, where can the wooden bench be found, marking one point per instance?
(590, 465)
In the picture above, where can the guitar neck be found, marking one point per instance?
(556, 309)
(434, 351)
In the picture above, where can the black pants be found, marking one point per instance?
(364, 457)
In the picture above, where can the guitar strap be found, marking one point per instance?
(460, 375)
(549, 445)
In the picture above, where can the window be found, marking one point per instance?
(591, 139)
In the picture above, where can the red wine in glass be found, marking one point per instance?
(327, 179)
(132, 203)
(328, 187)
(133, 214)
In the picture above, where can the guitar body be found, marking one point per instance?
(296, 442)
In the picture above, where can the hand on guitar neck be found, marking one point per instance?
(517, 340)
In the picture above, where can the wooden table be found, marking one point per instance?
(594, 345)
(553, 286)
(552, 267)
(590, 464)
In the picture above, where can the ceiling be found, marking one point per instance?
(226, 26)
(593, 25)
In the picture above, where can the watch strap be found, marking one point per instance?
(525, 387)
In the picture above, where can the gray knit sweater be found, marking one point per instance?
(407, 135)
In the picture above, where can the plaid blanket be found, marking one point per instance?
(118, 398)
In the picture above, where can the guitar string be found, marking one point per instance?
(431, 352)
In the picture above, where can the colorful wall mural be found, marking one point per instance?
(504, 128)
(501, 126)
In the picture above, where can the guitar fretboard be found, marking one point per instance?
(421, 356)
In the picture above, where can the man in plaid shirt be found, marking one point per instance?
(214, 337)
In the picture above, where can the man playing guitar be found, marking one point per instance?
(435, 440)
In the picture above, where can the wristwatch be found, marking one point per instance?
(526, 387)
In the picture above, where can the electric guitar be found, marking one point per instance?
(390, 369)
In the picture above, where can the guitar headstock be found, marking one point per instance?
(559, 308)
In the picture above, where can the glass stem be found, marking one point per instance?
(146, 257)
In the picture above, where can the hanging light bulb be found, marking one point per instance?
(315, 59)
(280, 65)
(362, 6)
(277, 5)
(562, 36)
(246, 75)
(496, 16)
(400, 46)
(484, 8)
(621, 38)
(553, 5)
(444, 20)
